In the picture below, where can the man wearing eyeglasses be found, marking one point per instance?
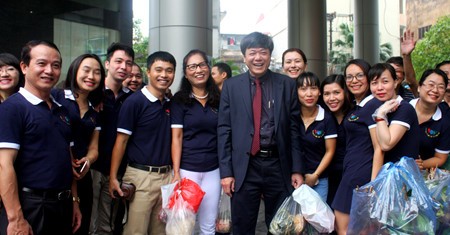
(258, 137)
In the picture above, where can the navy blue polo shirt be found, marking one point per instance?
(434, 134)
(313, 140)
(338, 159)
(406, 116)
(147, 121)
(359, 154)
(82, 127)
(42, 137)
(108, 120)
(199, 124)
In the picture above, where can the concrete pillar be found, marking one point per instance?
(366, 34)
(307, 25)
(178, 26)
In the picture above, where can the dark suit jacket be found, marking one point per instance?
(235, 127)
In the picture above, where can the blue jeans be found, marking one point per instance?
(322, 188)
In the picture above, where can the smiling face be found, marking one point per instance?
(432, 90)
(308, 95)
(334, 97)
(257, 61)
(160, 77)
(197, 70)
(88, 75)
(43, 71)
(383, 87)
(293, 64)
(356, 81)
(134, 80)
(9, 78)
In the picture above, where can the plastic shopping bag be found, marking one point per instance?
(394, 203)
(166, 193)
(190, 192)
(439, 184)
(223, 220)
(314, 210)
(180, 218)
(288, 219)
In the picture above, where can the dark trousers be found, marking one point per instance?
(47, 216)
(85, 193)
(263, 178)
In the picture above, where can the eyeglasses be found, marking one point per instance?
(358, 77)
(193, 67)
(431, 86)
(7, 69)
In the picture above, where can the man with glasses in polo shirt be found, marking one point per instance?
(35, 159)
(144, 136)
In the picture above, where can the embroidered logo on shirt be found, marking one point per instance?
(214, 110)
(318, 133)
(353, 118)
(167, 111)
(65, 119)
(431, 133)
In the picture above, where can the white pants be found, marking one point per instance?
(210, 184)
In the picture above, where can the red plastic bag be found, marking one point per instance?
(190, 192)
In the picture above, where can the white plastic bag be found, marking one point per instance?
(314, 210)
(180, 218)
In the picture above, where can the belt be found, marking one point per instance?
(268, 153)
(155, 169)
(59, 195)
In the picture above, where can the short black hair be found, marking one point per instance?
(224, 67)
(378, 69)
(117, 46)
(308, 79)
(25, 55)
(442, 63)
(397, 60)
(437, 71)
(256, 40)
(161, 56)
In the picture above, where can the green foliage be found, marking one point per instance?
(433, 48)
(140, 44)
(343, 51)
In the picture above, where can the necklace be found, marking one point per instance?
(200, 97)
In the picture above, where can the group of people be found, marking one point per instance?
(64, 153)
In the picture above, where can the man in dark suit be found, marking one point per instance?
(258, 137)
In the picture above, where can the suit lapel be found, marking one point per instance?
(246, 94)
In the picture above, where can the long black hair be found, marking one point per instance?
(183, 96)
(95, 96)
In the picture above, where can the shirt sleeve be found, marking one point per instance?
(176, 115)
(128, 114)
(10, 126)
(404, 116)
(331, 128)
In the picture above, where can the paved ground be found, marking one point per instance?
(261, 228)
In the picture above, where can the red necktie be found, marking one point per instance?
(257, 101)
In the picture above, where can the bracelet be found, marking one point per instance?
(377, 119)
(76, 199)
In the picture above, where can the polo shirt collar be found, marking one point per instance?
(437, 114)
(124, 89)
(68, 94)
(321, 114)
(149, 95)
(365, 100)
(34, 100)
